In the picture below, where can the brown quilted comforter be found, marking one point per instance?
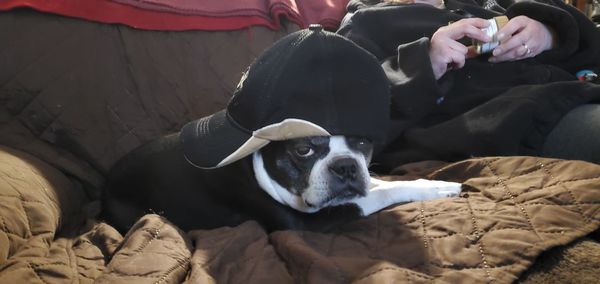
(75, 96)
(515, 208)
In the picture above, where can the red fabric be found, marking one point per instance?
(193, 15)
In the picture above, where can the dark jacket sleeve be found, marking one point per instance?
(403, 51)
(381, 29)
(412, 80)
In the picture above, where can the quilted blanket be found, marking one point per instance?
(515, 208)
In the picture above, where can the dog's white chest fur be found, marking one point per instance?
(381, 194)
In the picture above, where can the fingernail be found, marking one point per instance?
(500, 36)
(492, 59)
(497, 51)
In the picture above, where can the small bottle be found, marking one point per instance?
(496, 24)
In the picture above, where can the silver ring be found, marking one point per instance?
(528, 49)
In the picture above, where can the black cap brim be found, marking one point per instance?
(207, 142)
(215, 141)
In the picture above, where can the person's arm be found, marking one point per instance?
(380, 30)
(399, 38)
(414, 88)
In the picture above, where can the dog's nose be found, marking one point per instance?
(344, 168)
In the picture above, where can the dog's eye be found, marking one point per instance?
(304, 151)
(361, 142)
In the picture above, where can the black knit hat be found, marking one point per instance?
(309, 83)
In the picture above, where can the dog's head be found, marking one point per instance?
(311, 173)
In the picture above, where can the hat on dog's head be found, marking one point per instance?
(309, 83)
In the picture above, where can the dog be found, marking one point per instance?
(311, 183)
(290, 150)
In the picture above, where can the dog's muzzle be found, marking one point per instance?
(345, 169)
(347, 178)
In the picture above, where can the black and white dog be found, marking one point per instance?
(290, 150)
(304, 183)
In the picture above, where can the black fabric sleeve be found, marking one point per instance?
(381, 29)
(398, 37)
(415, 91)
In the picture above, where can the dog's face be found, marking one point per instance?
(311, 173)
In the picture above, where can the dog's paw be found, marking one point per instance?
(440, 189)
(448, 193)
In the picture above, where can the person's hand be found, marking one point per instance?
(522, 37)
(445, 52)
